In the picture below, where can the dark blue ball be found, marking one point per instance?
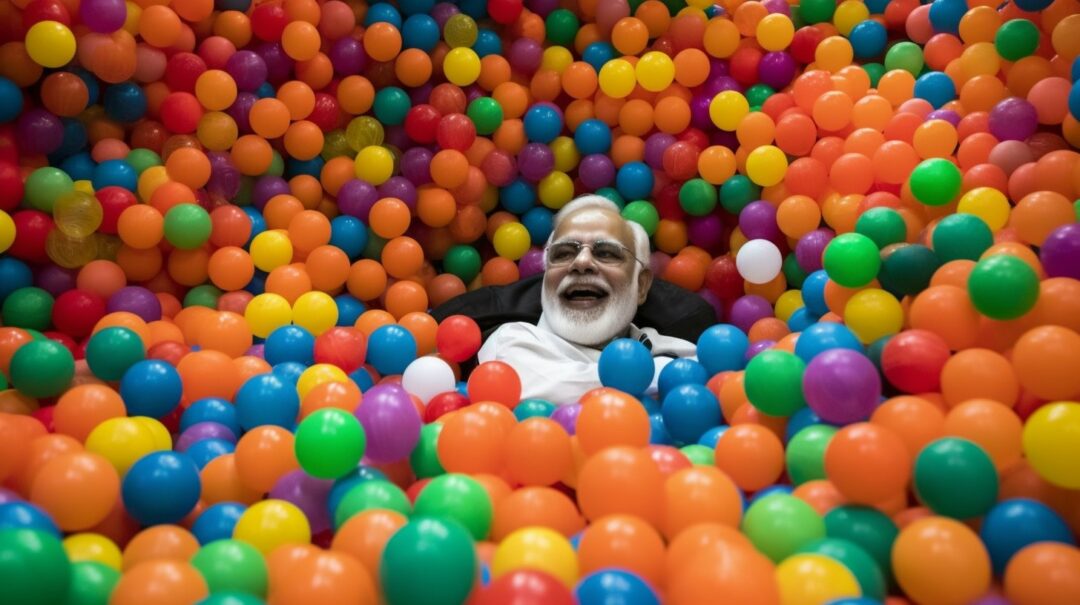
(161, 487)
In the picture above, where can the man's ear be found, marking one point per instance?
(644, 280)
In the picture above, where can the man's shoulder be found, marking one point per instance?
(516, 329)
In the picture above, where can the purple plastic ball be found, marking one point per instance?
(137, 300)
(706, 231)
(258, 350)
(201, 431)
(655, 146)
(1013, 119)
(542, 7)
(103, 16)
(714, 302)
(777, 6)
(948, 115)
(535, 161)
(596, 171)
(442, 13)
(309, 494)
(397, 137)
(810, 248)
(532, 263)
(777, 69)
(39, 132)
(758, 221)
(390, 422)
(266, 187)
(525, 55)
(566, 416)
(240, 111)
(55, 279)
(356, 197)
(7, 495)
(757, 347)
(416, 165)
(348, 57)
(248, 70)
(278, 63)
(401, 188)
(1060, 253)
(747, 310)
(225, 179)
(842, 386)
(699, 112)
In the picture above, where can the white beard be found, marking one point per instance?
(590, 327)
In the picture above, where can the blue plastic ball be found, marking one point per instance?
(627, 365)
(79, 166)
(210, 409)
(821, 337)
(679, 372)
(290, 343)
(414, 7)
(382, 12)
(1014, 524)
(151, 387)
(592, 136)
(800, 320)
(115, 173)
(161, 487)
(543, 123)
(125, 102)
(802, 418)
(11, 100)
(477, 9)
(599, 53)
(945, 15)
(420, 31)
(634, 180)
(1033, 6)
(217, 522)
(1074, 96)
(615, 586)
(539, 222)
(349, 309)
(267, 399)
(877, 7)
(935, 87)
(650, 404)
(23, 515)
(391, 349)
(14, 274)
(349, 234)
(342, 485)
(362, 378)
(289, 371)
(202, 452)
(690, 410)
(76, 139)
(711, 436)
(868, 39)
(517, 197)
(312, 167)
(658, 433)
(722, 348)
(487, 43)
(813, 292)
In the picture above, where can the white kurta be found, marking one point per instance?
(560, 371)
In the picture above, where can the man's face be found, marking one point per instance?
(591, 299)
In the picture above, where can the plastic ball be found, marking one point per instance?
(50, 44)
(329, 443)
(1047, 446)
(161, 487)
(956, 478)
(438, 544)
(42, 368)
(626, 364)
(112, 351)
(992, 277)
(759, 261)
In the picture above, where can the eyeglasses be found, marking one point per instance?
(604, 252)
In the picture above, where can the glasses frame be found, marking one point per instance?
(582, 245)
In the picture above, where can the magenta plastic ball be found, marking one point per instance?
(842, 386)
(258, 350)
(699, 112)
(348, 57)
(532, 263)
(747, 310)
(103, 16)
(356, 197)
(416, 165)
(706, 231)
(596, 171)
(309, 494)
(390, 422)
(248, 70)
(137, 300)
(525, 55)
(535, 161)
(1060, 253)
(757, 347)
(758, 221)
(777, 6)
(55, 279)
(401, 188)
(948, 115)
(39, 132)
(1013, 119)
(777, 69)
(567, 416)
(810, 247)
(278, 64)
(266, 187)
(655, 146)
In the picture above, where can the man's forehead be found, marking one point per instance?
(596, 222)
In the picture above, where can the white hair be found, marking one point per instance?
(598, 202)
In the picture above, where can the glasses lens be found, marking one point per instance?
(563, 252)
(609, 253)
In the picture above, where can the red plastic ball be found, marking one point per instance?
(76, 312)
(327, 112)
(444, 403)
(457, 338)
(68, 342)
(344, 347)
(505, 11)
(113, 200)
(912, 361)
(45, 10)
(421, 123)
(455, 131)
(695, 136)
(667, 203)
(215, 51)
(11, 186)
(31, 229)
(525, 587)
(680, 160)
(268, 21)
(182, 70)
(180, 112)
(447, 99)
(744, 65)
(170, 351)
(722, 278)
(804, 43)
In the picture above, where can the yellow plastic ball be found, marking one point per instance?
(121, 441)
(566, 154)
(788, 303)
(727, 109)
(320, 373)
(511, 240)
(987, 203)
(1051, 445)
(271, 249)
(849, 13)
(980, 59)
(94, 548)
(556, 58)
(217, 131)
(131, 22)
(834, 53)
(555, 190)
(84, 186)
(617, 78)
(766, 165)
(150, 179)
(775, 32)
(266, 313)
(809, 579)
(460, 30)
(655, 71)
(7, 231)
(50, 44)
(536, 548)
(160, 434)
(872, 314)
(269, 524)
(315, 311)
(375, 164)
(77, 214)
(364, 131)
(462, 66)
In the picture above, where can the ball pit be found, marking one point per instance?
(224, 225)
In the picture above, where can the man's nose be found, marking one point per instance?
(584, 261)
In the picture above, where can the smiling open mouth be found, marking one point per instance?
(584, 295)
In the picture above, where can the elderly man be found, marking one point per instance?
(596, 274)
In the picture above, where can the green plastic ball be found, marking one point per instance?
(369, 495)
(906, 269)
(907, 56)
(874, 71)
(364, 131)
(699, 455)
(793, 273)
(867, 573)
(424, 459)
(205, 295)
(44, 185)
(28, 308)
(1003, 287)
(1016, 39)
(91, 583)
(867, 527)
(187, 226)
(463, 261)
(774, 382)
(805, 455)
(817, 11)
(34, 569)
(110, 352)
(935, 182)
(458, 497)
(697, 197)
(374, 247)
(486, 114)
(232, 566)
(780, 524)
(427, 562)
(737, 192)
(961, 236)
(391, 105)
(852, 260)
(882, 225)
(42, 368)
(956, 478)
(644, 214)
(613, 194)
(141, 158)
(232, 598)
(758, 94)
(329, 443)
(277, 164)
(562, 26)
(532, 408)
